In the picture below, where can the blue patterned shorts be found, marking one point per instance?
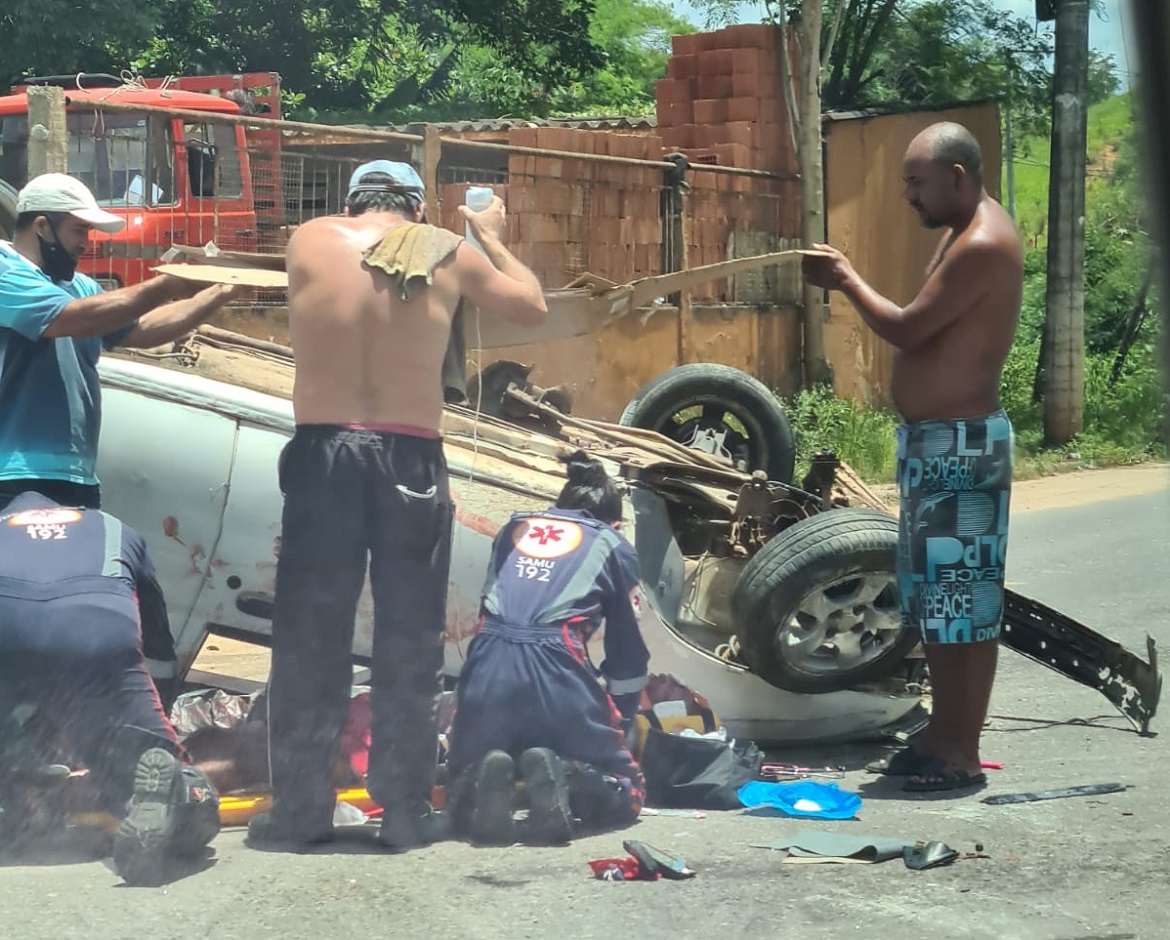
(955, 484)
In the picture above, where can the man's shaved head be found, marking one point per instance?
(943, 172)
(950, 144)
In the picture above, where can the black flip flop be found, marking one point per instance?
(655, 861)
(905, 763)
(937, 777)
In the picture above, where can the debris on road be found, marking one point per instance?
(805, 799)
(644, 863)
(812, 847)
(1093, 789)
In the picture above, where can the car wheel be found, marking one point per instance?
(721, 411)
(817, 609)
(7, 210)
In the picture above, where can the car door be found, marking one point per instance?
(164, 461)
(219, 192)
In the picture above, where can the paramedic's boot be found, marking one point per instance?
(550, 820)
(492, 799)
(196, 815)
(411, 826)
(173, 812)
(597, 799)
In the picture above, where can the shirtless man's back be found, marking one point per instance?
(955, 447)
(371, 301)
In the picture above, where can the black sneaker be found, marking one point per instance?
(270, 831)
(495, 785)
(550, 820)
(407, 827)
(142, 842)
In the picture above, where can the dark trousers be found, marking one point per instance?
(352, 499)
(523, 688)
(77, 660)
(62, 492)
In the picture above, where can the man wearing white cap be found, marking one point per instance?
(54, 324)
(372, 295)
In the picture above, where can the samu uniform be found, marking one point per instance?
(79, 601)
(528, 682)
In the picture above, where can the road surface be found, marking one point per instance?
(1073, 869)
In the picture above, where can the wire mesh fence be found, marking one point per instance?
(580, 201)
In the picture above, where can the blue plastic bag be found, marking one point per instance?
(804, 799)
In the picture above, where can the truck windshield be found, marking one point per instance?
(125, 159)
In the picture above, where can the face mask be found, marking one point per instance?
(56, 262)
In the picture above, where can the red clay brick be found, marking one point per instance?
(759, 62)
(682, 66)
(676, 138)
(743, 109)
(751, 36)
(670, 90)
(709, 41)
(676, 113)
(714, 86)
(687, 44)
(711, 111)
(715, 62)
(522, 136)
(743, 133)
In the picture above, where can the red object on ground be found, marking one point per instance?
(621, 869)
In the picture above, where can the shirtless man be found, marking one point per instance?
(955, 447)
(371, 300)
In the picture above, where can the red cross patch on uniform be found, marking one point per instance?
(44, 517)
(541, 537)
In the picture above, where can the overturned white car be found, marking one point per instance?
(776, 601)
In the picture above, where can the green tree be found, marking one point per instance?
(375, 54)
(634, 37)
(62, 37)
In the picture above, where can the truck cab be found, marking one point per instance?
(174, 180)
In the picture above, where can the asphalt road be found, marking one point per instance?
(1073, 869)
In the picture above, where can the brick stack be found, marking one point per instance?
(723, 98)
(722, 103)
(570, 216)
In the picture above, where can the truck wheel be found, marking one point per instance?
(721, 411)
(7, 210)
(817, 609)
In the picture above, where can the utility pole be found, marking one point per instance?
(1064, 321)
(48, 136)
(1010, 145)
(804, 119)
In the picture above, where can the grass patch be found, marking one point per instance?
(1108, 123)
(860, 435)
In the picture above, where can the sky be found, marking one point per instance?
(1107, 30)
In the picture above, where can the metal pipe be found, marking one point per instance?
(359, 133)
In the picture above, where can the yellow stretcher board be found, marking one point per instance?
(237, 808)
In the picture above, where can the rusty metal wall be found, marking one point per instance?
(870, 221)
(605, 369)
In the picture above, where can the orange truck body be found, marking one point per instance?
(176, 181)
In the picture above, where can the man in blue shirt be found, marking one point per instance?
(54, 324)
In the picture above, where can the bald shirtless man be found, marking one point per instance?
(371, 300)
(955, 447)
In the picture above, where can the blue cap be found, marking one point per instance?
(404, 178)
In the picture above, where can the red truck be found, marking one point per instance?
(174, 180)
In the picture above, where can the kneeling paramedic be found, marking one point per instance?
(79, 601)
(529, 702)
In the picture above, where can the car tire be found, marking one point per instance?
(718, 390)
(7, 210)
(842, 561)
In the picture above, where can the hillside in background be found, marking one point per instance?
(1110, 125)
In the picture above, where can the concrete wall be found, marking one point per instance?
(870, 221)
